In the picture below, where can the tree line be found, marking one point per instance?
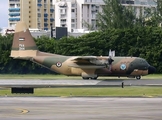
(142, 42)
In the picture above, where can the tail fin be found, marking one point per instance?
(23, 45)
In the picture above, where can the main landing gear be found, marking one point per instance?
(87, 78)
(138, 77)
(95, 78)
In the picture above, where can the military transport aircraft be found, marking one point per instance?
(88, 67)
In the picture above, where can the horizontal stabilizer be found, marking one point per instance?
(24, 58)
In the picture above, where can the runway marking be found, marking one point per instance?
(150, 96)
(23, 111)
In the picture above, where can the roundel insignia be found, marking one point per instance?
(58, 64)
(122, 66)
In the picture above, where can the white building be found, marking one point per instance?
(73, 14)
(140, 5)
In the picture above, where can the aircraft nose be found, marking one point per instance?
(151, 70)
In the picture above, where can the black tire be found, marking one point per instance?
(94, 78)
(138, 77)
(85, 78)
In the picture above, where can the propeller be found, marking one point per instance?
(110, 60)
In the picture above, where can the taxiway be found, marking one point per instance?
(53, 108)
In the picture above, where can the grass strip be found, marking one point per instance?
(100, 91)
(53, 77)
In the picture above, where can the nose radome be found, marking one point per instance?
(151, 70)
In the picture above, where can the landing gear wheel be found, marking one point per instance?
(85, 78)
(138, 77)
(94, 78)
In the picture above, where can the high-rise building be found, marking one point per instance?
(38, 14)
(140, 6)
(74, 14)
(139, 2)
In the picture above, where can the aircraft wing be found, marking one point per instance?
(87, 66)
(87, 62)
(85, 58)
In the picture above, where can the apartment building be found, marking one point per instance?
(140, 5)
(139, 2)
(73, 14)
(38, 14)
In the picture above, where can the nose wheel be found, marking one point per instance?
(138, 77)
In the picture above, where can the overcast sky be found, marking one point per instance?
(3, 13)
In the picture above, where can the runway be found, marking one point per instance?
(53, 108)
(39, 83)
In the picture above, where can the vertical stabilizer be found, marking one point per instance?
(23, 45)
